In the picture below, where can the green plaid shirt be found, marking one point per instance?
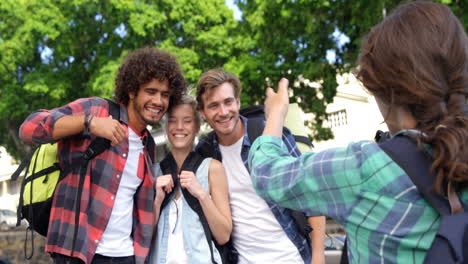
(363, 189)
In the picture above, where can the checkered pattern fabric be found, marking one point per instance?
(386, 219)
(100, 185)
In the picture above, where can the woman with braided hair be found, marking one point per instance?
(415, 63)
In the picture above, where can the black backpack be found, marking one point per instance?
(256, 113)
(191, 163)
(451, 242)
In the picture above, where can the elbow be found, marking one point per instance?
(224, 238)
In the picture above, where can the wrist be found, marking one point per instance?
(87, 123)
(203, 196)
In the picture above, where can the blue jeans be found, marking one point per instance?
(98, 259)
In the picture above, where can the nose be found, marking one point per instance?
(180, 124)
(223, 110)
(156, 99)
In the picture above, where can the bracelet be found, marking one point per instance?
(87, 123)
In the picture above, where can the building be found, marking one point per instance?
(9, 191)
(352, 116)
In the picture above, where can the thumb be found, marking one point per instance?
(283, 86)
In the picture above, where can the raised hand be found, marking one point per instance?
(276, 108)
(277, 103)
(188, 181)
(164, 184)
(108, 128)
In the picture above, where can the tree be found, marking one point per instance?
(291, 38)
(53, 52)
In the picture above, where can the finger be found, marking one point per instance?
(269, 92)
(283, 86)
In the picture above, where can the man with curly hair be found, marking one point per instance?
(116, 203)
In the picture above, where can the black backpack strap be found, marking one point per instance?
(96, 147)
(191, 163)
(304, 140)
(206, 148)
(416, 163)
(169, 166)
(25, 162)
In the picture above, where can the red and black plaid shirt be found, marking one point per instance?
(100, 185)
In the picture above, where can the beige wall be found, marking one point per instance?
(363, 118)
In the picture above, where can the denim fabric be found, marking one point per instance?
(195, 244)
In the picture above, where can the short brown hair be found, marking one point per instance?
(143, 65)
(213, 79)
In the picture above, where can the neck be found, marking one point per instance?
(227, 140)
(180, 155)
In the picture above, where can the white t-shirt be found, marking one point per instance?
(116, 241)
(257, 235)
(175, 245)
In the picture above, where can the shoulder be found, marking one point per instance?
(216, 166)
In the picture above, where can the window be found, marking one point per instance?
(337, 118)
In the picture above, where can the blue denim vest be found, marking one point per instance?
(195, 244)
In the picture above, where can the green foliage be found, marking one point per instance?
(87, 40)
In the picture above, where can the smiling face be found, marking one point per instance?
(221, 111)
(148, 105)
(182, 127)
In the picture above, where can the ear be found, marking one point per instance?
(202, 114)
(131, 95)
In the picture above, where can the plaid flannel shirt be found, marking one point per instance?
(100, 185)
(361, 187)
(283, 215)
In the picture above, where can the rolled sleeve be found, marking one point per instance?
(38, 127)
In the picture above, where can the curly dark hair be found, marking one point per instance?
(143, 65)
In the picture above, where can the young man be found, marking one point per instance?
(262, 231)
(116, 212)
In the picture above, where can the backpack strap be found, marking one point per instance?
(96, 147)
(169, 166)
(416, 163)
(191, 163)
(304, 140)
(206, 148)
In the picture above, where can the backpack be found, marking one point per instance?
(451, 242)
(191, 163)
(292, 121)
(42, 176)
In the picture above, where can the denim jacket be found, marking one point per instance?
(283, 215)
